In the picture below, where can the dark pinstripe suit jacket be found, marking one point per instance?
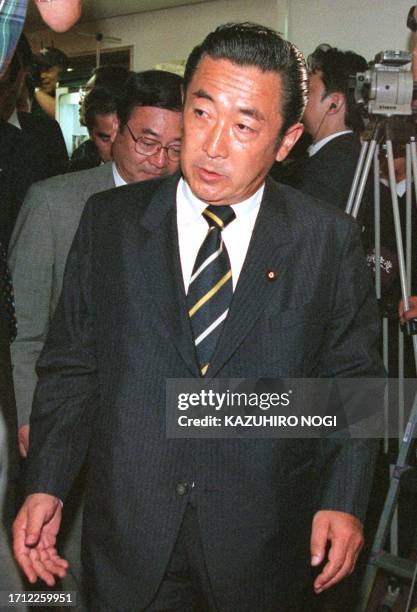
(121, 330)
(327, 175)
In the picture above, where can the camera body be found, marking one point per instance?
(386, 88)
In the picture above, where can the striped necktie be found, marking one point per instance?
(211, 289)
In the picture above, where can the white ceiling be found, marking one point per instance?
(103, 9)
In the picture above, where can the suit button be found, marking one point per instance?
(182, 488)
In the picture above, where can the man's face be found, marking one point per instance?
(49, 78)
(104, 133)
(232, 118)
(317, 105)
(156, 124)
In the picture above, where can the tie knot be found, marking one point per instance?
(219, 216)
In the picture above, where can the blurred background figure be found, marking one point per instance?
(46, 70)
(333, 120)
(112, 77)
(99, 115)
(31, 148)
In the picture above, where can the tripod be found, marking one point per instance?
(383, 130)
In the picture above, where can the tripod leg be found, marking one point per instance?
(408, 226)
(398, 235)
(380, 539)
(355, 182)
(364, 178)
(377, 223)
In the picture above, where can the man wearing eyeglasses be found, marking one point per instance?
(138, 149)
(147, 146)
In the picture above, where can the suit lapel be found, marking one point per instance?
(269, 245)
(162, 269)
(159, 251)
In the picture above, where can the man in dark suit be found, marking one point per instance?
(333, 121)
(173, 524)
(100, 117)
(31, 148)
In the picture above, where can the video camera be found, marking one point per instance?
(387, 87)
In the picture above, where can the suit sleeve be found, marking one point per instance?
(31, 260)
(351, 350)
(66, 396)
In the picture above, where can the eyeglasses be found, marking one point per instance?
(148, 146)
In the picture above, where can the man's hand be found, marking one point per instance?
(344, 532)
(34, 536)
(23, 436)
(409, 314)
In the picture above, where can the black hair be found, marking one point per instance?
(250, 44)
(150, 88)
(110, 76)
(336, 68)
(98, 101)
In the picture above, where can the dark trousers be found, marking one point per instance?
(186, 584)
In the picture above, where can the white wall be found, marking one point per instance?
(365, 26)
(160, 36)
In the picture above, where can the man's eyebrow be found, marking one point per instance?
(150, 132)
(200, 93)
(252, 112)
(249, 112)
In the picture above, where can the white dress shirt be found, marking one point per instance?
(192, 229)
(118, 180)
(401, 186)
(14, 120)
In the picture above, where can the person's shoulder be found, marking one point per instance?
(305, 210)
(68, 192)
(342, 144)
(29, 121)
(76, 181)
(136, 196)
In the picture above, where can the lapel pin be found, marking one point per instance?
(271, 275)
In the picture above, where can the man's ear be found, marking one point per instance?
(114, 128)
(288, 140)
(336, 101)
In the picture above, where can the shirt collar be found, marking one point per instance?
(401, 186)
(314, 148)
(118, 180)
(191, 207)
(14, 120)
